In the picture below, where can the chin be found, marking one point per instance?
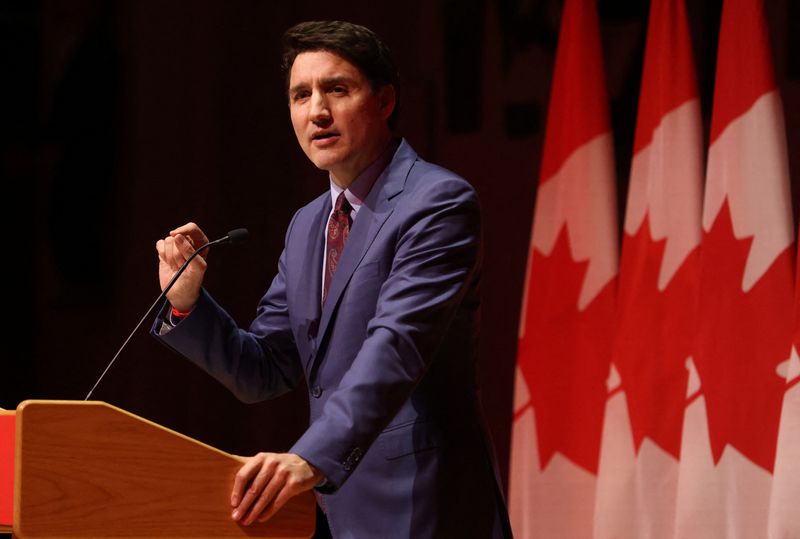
(325, 162)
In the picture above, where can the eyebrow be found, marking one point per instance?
(328, 81)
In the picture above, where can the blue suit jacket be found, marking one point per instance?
(395, 425)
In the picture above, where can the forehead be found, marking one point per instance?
(312, 65)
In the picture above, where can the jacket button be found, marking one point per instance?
(316, 391)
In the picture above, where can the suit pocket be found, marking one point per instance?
(408, 439)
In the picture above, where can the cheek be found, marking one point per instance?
(357, 126)
(302, 140)
(296, 116)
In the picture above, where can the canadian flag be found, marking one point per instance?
(784, 518)
(566, 325)
(745, 310)
(658, 285)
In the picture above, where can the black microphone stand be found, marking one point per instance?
(234, 236)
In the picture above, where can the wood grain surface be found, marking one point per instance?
(88, 469)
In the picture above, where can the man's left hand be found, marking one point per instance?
(266, 482)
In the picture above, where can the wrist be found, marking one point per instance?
(180, 314)
(317, 476)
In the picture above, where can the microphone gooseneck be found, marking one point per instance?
(238, 235)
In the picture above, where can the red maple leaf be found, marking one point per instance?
(655, 334)
(791, 382)
(742, 337)
(564, 356)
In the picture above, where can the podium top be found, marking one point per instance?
(90, 469)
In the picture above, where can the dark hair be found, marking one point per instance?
(355, 43)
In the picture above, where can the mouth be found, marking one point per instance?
(324, 136)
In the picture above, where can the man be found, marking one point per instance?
(375, 303)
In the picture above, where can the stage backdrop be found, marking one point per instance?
(120, 120)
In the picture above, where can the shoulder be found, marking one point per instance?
(429, 181)
(436, 202)
(426, 178)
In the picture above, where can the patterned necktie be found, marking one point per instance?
(338, 230)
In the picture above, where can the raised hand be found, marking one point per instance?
(173, 251)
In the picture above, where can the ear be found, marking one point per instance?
(387, 99)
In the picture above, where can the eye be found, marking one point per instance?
(300, 95)
(339, 89)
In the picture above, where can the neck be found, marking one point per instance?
(343, 178)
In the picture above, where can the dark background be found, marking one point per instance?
(120, 120)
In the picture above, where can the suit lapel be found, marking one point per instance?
(312, 265)
(371, 216)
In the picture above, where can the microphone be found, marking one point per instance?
(238, 235)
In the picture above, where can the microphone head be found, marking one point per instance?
(238, 235)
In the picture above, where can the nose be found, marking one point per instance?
(320, 113)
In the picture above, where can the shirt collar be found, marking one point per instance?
(358, 190)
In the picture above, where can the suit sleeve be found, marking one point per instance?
(436, 259)
(254, 365)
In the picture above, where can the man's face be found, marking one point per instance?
(339, 121)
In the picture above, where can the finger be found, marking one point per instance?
(166, 251)
(188, 243)
(280, 500)
(185, 245)
(187, 238)
(275, 485)
(192, 230)
(267, 468)
(169, 252)
(179, 250)
(160, 250)
(198, 264)
(298, 479)
(169, 248)
(188, 228)
(242, 478)
(175, 257)
(251, 495)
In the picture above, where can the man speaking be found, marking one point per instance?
(375, 302)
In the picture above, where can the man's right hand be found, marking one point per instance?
(173, 251)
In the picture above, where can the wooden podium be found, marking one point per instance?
(89, 469)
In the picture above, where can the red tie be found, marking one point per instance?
(338, 230)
